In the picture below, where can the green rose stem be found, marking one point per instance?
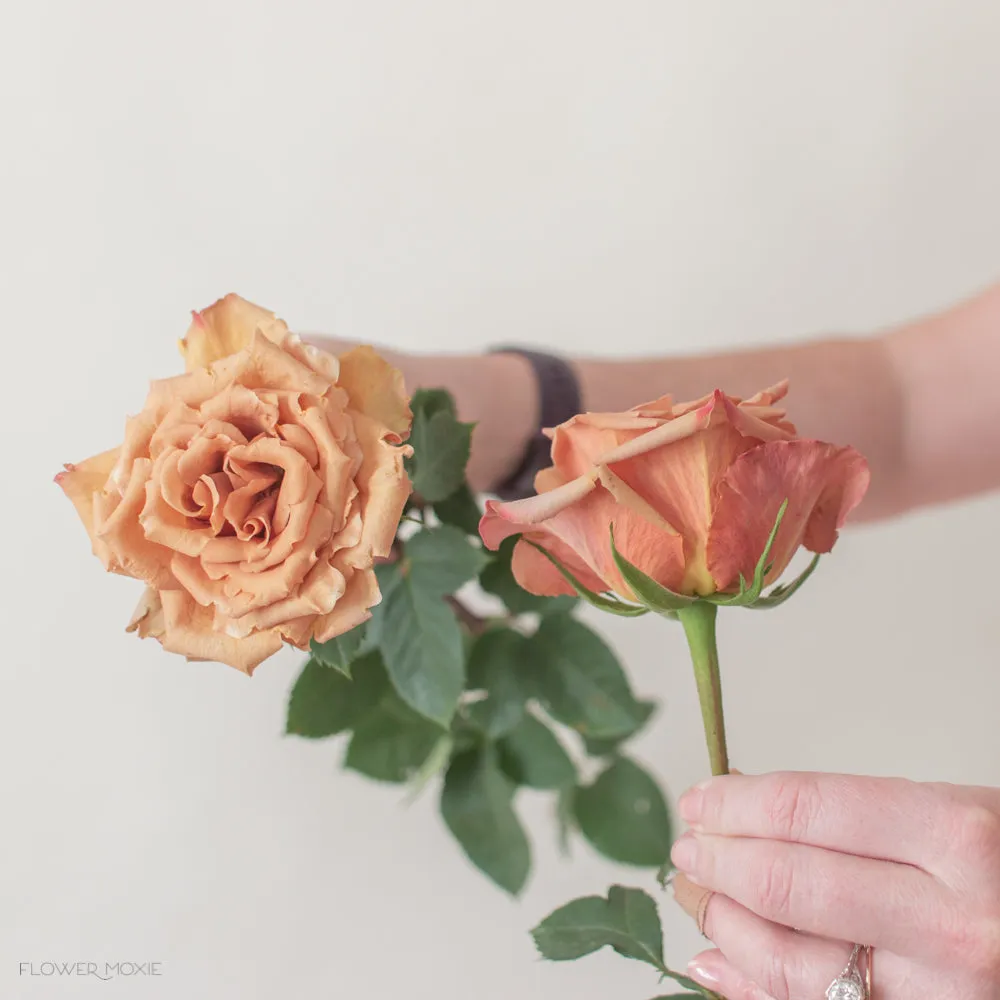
(698, 620)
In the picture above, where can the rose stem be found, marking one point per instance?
(699, 626)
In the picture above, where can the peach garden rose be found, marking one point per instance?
(253, 494)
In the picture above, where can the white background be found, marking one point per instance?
(605, 177)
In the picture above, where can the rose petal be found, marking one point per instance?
(147, 619)
(81, 481)
(383, 490)
(537, 574)
(678, 481)
(322, 589)
(118, 521)
(377, 390)
(749, 425)
(667, 433)
(352, 609)
(227, 327)
(502, 520)
(188, 630)
(822, 483)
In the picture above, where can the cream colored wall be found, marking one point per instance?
(624, 177)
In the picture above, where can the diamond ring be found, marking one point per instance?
(849, 985)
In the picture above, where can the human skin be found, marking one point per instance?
(912, 869)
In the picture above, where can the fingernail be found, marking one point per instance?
(684, 853)
(703, 971)
(689, 804)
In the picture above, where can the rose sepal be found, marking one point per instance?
(783, 591)
(598, 601)
(647, 591)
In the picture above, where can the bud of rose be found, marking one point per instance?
(693, 492)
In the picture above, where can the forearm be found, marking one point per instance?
(920, 402)
(845, 391)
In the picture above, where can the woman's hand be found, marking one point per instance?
(912, 869)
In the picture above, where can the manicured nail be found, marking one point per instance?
(703, 970)
(689, 804)
(684, 853)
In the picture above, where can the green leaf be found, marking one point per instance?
(324, 702)
(579, 681)
(477, 806)
(611, 604)
(782, 592)
(440, 453)
(531, 754)
(597, 747)
(624, 816)
(626, 921)
(461, 510)
(389, 578)
(421, 643)
(431, 401)
(499, 664)
(646, 589)
(498, 579)
(441, 559)
(392, 743)
(339, 651)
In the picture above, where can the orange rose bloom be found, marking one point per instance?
(692, 490)
(252, 495)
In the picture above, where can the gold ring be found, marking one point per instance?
(703, 912)
(869, 965)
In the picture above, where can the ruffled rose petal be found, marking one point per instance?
(251, 412)
(322, 589)
(147, 619)
(118, 522)
(353, 608)
(82, 480)
(339, 459)
(188, 629)
(750, 425)
(376, 389)
(319, 361)
(227, 327)
(383, 488)
(822, 482)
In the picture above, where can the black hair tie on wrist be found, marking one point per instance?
(559, 399)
